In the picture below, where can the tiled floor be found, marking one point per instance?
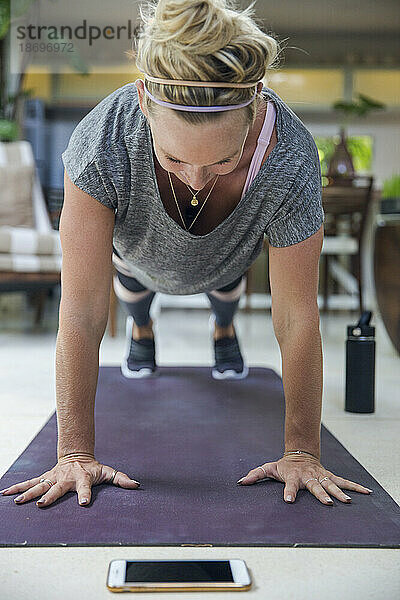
(27, 399)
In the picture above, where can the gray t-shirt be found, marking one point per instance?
(109, 156)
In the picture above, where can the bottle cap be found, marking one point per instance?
(362, 328)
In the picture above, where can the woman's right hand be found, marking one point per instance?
(77, 475)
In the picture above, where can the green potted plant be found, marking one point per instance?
(390, 195)
(10, 102)
(8, 126)
(9, 130)
(341, 163)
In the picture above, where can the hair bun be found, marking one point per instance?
(195, 25)
(204, 40)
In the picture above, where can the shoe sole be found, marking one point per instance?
(229, 373)
(140, 373)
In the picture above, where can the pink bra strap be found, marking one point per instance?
(262, 144)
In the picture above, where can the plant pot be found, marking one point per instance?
(341, 163)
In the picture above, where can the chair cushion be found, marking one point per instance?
(16, 183)
(30, 263)
(21, 240)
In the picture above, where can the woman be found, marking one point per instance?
(129, 166)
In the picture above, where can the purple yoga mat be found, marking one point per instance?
(188, 438)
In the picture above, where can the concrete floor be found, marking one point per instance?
(27, 399)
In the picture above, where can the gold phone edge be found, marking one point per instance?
(168, 588)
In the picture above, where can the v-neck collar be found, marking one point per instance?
(269, 162)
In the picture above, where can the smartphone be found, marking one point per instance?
(177, 575)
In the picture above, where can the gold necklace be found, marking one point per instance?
(194, 201)
(177, 205)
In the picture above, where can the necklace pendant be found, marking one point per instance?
(194, 201)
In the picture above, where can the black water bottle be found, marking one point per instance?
(360, 366)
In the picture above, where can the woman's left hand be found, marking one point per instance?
(299, 472)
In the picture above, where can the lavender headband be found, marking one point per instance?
(198, 83)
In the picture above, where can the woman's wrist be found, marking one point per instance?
(70, 456)
(294, 452)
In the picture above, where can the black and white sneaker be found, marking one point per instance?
(139, 356)
(229, 363)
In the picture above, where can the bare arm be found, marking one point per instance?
(86, 229)
(295, 316)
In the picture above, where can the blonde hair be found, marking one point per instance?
(203, 40)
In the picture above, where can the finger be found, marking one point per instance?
(32, 492)
(258, 473)
(333, 489)
(56, 491)
(316, 488)
(22, 486)
(84, 490)
(349, 485)
(123, 480)
(290, 490)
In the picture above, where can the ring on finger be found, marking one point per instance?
(265, 473)
(112, 476)
(323, 479)
(310, 480)
(46, 481)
